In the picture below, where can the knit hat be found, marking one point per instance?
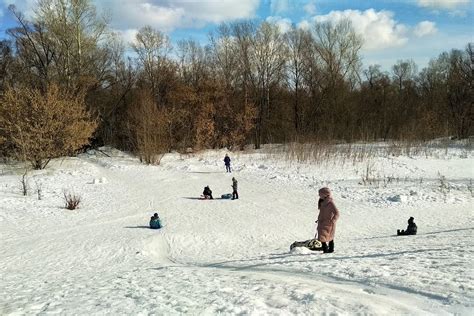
(324, 192)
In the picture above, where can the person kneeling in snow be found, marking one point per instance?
(155, 222)
(207, 193)
(411, 229)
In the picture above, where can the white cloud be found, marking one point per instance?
(279, 6)
(134, 14)
(310, 7)
(378, 29)
(24, 6)
(442, 4)
(284, 24)
(304, 25)
(128, 36)
(458, 13)
(165, 15)
(425, 28)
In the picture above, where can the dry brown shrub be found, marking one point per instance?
(71, 200)
(205, 136)
(40, 126)
(147, 128)
(244, 125)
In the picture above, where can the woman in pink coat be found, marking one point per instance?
(328, 215)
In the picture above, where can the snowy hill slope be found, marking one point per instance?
(232, 257)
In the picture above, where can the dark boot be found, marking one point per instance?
(331, 246)
(325, 247)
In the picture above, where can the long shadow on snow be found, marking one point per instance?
(363, 282)
(201, 199)
(224, 264)
(138, 226)
(430, 233)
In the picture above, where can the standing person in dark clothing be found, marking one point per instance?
(327, 218)
(227, 163)
(235, 194)
(411, 229)
(207, 193)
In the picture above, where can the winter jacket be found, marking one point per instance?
(411, 229)
(155, 223)
(328, 215)
(207, 191)
(234, 185)
(227, 160)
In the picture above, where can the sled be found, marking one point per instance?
(202, 197)
(311, 244)
(404, 233)
(227, 196)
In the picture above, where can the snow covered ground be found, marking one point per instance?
(232, 257)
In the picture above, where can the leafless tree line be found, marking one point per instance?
(252, 83)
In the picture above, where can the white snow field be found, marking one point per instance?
(232, 257)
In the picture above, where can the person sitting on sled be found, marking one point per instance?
(155, 222)
(207, 193)
(411, 229)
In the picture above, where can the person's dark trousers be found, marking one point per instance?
(227, 168)
(235, 195)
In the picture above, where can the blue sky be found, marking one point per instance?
(392, 30)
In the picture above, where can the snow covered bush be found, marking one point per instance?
(40, 126)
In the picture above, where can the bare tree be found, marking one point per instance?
(76, 31)
(35, 50)
(269, 53)
(403, 71)
(461, 90)
(192, 62)
(225, 57)
(295, 41)
(338, 46)
(6, 62)
(152, 48)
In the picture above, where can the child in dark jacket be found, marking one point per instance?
(227, 163)
(155, 222)
(411, 229)
(207, 193)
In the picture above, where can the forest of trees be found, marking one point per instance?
(66, 80)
